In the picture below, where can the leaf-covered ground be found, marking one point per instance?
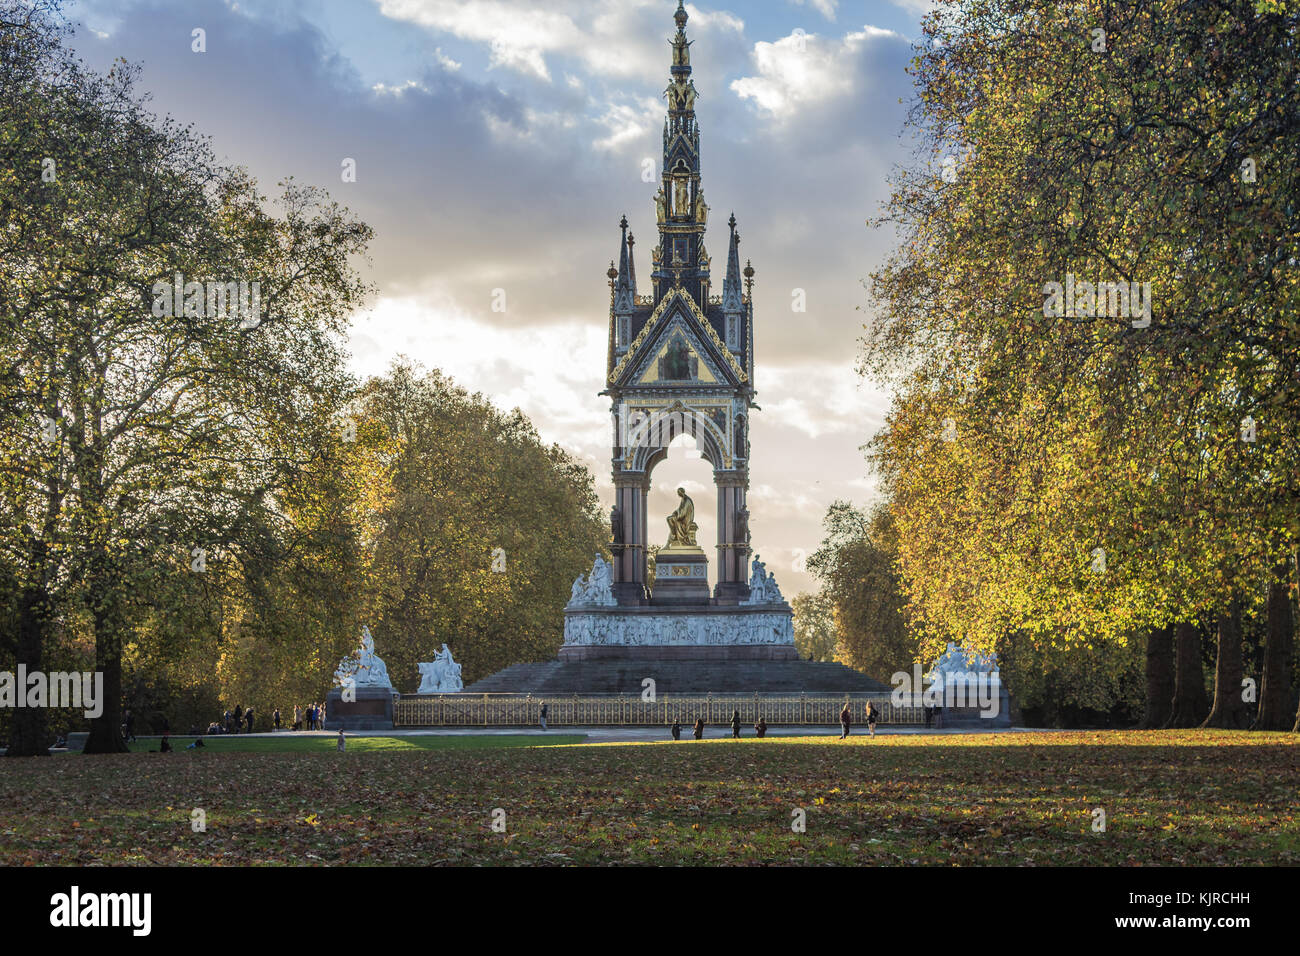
(1169, 798)
(317, 743)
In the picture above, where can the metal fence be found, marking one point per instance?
(516, 710)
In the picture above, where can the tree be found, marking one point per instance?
(815, 636)
(480, 529)
(855, 566)
(175, 415)
(1083, 473)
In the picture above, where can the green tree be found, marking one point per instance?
(1082, 474)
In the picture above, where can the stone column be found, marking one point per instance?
(630, 494)
(733, 548)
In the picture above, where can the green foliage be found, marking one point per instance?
(478, 532)
(815, 636)
(856, 567)
(182, 503)
(1082, 477)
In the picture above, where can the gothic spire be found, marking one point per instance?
(623, 287)
(680, 206)
(731, 300)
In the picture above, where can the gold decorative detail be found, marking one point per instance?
(654, 320)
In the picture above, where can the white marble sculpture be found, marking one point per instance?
(441, 675)
(762, 586)
(363, 668)
(607, 628)
(595, 590)
(954, 661)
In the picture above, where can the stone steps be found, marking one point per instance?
(677, 677)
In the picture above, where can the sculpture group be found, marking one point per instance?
(363, 668)
(441, 675)
(762, 585)
(596, 590)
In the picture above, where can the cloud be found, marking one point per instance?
(479, 175)
(805, 68)
(825, 7)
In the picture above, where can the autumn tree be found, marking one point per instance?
(481, 530)
(1063, 459)
(176, 337)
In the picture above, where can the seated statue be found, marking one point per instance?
(681, 523)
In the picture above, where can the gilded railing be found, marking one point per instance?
(515, 710)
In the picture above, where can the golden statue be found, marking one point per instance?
(681, 197)
(681, 523)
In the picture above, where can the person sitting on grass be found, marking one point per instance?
(760, 728)
(343, 744)
(166, 746)
(196, 743)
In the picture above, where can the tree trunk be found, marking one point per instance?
(1275, 682)
(29, 730)
(1160, 677)
(105, 599)
(1190, 704)
(1230, 711)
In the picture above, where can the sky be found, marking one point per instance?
(496, 145)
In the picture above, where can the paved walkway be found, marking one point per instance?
(626, 734)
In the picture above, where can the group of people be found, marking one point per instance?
(305, 718)
(240, 720)
(846, 719)
(237, 721)
(760, 726)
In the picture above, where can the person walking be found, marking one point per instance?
(699, 728)
(872, 716)
(322, 715)
(542, 714)
(128, 724)
(846, 721)
(676, 729)
(275, 719)
(735, 723)
(248, 719)
(239, 717)
(297, 716)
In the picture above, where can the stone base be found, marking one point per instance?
(704, 632)
(625, 676)
(372, 709)
(681, 577)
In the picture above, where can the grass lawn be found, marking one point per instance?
(1170, 797)
(282, 743)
